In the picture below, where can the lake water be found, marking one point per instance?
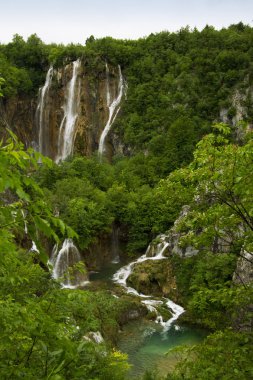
(147, 345)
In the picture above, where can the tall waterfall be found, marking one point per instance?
(67, 127)
(108, 94)
(122, 275)
(114, 107)
(65, 264)
(42, 114)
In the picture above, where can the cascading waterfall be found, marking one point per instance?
(64, 265)
(25, 221)
(34, 247)
(114, 107)
(42, 115)
(121, 276)
(67, 127)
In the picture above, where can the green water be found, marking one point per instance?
(145, 342)
(146, 345)
(106, 273)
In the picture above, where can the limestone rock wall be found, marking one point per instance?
(18, 114)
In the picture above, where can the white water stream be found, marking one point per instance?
(67, 127)
(114, 107)
(121, 276)
(41, 116)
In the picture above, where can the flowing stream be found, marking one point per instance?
(114, 107)
(121, 276)
(67, 127)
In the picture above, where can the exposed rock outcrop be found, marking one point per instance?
(18, 114)
(154, 277)
(172, 240)
(244, 269)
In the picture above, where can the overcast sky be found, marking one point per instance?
(75, 20)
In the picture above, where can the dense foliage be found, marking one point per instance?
(41, 326)
(219, 224)
(217, 186)
(178, 83)
(90, 196)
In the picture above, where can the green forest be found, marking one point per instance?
(186, 127)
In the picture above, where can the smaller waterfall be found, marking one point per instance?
(65, 265)
(67, 127)
(121, 276)
(54, 254)
(156, 251)
(115, 245)
(34, 247)
(42, 116)
(114, 107)
(177, 310)
(25, 221)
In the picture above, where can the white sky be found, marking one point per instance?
(75, 20)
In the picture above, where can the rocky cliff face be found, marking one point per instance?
(39, 122)
(244, 269)
(18, 114)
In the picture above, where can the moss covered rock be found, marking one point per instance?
(154, 277)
